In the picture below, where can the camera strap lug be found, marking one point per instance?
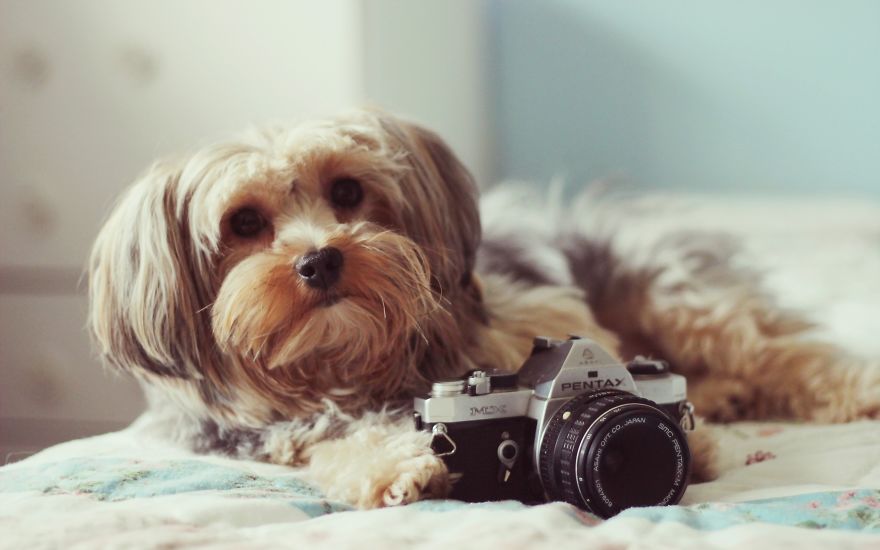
(439, 431)
(687, 417)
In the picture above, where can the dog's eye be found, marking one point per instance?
(346, 193)
(247, 222)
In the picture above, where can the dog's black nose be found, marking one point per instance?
(321, 269)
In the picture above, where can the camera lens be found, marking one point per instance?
(610, 450)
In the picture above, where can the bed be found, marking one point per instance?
(782, 484)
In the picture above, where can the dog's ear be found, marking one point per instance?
(442, 213)
(146, 299)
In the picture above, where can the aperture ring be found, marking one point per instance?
(549, 451)
(587, 422)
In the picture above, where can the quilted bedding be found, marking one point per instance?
(817, 486)
(782, 485)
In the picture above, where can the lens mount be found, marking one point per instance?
(609, 450)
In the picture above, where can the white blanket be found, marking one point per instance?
(131, 489)
(783, 485)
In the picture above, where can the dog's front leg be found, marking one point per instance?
(378, 464)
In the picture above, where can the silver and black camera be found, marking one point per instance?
(573, 424)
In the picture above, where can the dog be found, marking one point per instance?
(283, 297)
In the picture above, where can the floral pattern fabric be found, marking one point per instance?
(781, 485)
(115, 480)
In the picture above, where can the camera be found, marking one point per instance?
(573, 424)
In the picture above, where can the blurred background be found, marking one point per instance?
(776, 98)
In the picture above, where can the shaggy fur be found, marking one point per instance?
(250, 360)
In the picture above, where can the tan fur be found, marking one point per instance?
(518, 312)
(222, 329)
(394, 465)
(173, 290)
(265, 314)
(744, 357)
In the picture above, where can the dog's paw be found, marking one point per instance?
(379, 466)
(704, 453)
(417, 478)
(723, 400)
(866, 401)
(855, 395)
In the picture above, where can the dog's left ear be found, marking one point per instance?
(442, 214)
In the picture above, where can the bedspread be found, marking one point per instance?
(782, 484)
(815, 486)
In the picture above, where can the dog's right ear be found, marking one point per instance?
(145, 289)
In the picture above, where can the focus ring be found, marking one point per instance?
(585, 418)
(549, 444)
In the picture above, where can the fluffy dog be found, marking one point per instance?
(285, 296)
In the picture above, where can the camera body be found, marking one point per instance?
(573, 424)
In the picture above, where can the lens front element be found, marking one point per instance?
(610, 450)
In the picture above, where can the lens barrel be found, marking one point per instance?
(609, 450)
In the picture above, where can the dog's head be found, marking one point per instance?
(256, 278)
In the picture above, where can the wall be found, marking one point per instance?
(428, 59)
(737, 96)
(92, 91)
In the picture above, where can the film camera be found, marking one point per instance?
(573, 424)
